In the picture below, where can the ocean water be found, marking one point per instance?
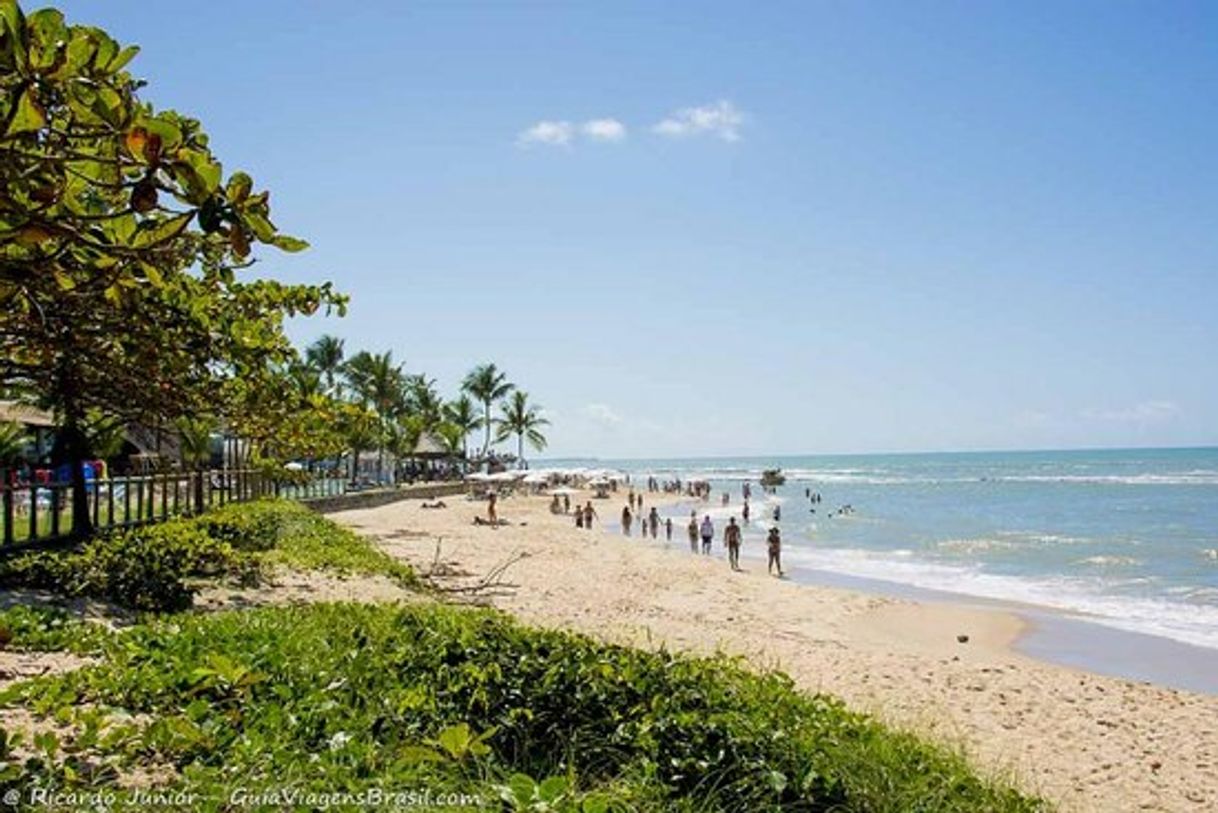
(1126, 538)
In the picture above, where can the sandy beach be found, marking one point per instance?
(1087, 742)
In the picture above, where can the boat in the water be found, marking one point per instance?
(772, 478)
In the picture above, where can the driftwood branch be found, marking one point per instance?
(492, 581)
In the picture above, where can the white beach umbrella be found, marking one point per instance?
(536, 477)
(564, 491)
(506, 476)
(479, 477)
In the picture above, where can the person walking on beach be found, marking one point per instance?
(731, 539)
(566, 503)
(589, 515)
(774, 548)
(708, 535)
(693, 532)
(627, 520)
(579, 517)
(653, 520)
(668, 529)
(492, 514)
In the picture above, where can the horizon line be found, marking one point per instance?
(1202, 447)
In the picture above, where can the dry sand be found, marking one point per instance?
(1088, 742)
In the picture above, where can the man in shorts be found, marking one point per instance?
(708, 534)
(731, 540)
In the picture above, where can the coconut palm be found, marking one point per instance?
(380, 385)
(461, 414)
(520, 418)
(487, 385)
(13, 440)
(326, 357)
(423, 400)
(194, 440)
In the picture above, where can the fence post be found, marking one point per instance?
(54, 510)
(8, 513)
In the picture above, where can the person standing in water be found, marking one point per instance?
(745, 512)
(731, 539)
(708, 534)
(653, 520)
(774, 549)
(693, 532)
(627, 520)
(668, 529)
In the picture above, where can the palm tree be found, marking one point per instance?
(326, 357)
(487, 385)
(460, 413)
(13, 440)
(379, 384)
(194, 440)
(522, 419)
(423, 400)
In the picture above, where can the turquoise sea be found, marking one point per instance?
(1125, 538)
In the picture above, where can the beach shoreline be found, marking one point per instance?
(1086, 741)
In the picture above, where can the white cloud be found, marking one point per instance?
(720, 119)
(1145, 412)
(602, 413)
(551, 133)
(604, 130)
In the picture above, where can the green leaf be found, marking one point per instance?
(48, 30)
(28, 116)
(455, 740)
(14, 21)
(239, 186)
(170, 133)
(289, 244)
(551, 789)
(152, 232)
(124, 56)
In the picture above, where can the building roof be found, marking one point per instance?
(15, 412)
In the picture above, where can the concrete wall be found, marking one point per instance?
(384, 496)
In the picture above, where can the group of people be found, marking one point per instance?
(649, 523)
(704, 531)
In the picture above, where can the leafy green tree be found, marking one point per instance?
(461, 414)
(486, 384)
(120, 245)
(524, 420)
(380, 385)
(326, 357)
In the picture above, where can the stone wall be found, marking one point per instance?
(383, 496)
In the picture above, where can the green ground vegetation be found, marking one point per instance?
(339, 698)
(159, 567)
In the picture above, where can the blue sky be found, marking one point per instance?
(790, 228)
